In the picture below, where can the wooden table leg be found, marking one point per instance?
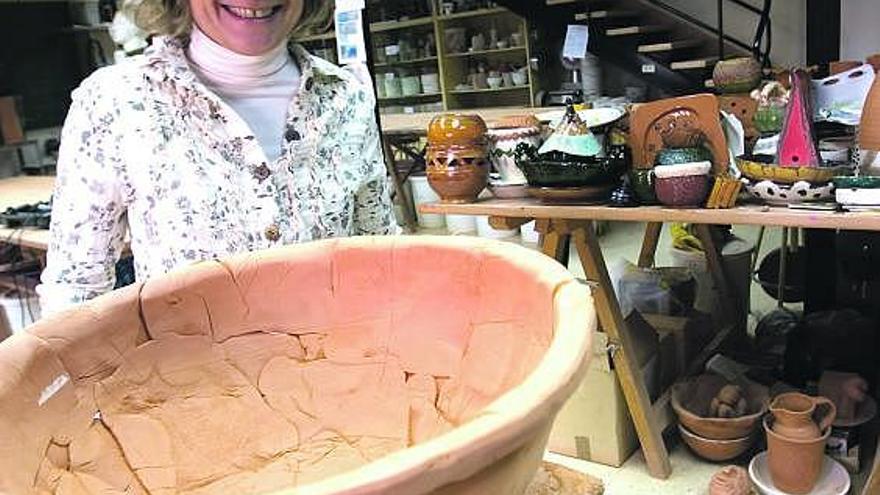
(409, 214)
(555, 243)
(649, 244)
(715, 264)
(625, 365)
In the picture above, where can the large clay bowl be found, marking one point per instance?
(352, 366)
(716, 450)
(691, 398)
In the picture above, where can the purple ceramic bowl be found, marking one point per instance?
(683, 185)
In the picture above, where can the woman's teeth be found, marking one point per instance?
(251, 13)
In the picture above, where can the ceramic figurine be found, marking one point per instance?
(731, 480)
(457, 157)
(797, 142)
(571, 136)
(797, 430)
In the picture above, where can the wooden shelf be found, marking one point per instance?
(474, 13)
(411, 97)
(414, 61)
(489, 90)
(378, 27)
(496, 51)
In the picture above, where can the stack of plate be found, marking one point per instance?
(858, 193)
(776, 185)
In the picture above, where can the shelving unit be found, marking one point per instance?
(420, 47)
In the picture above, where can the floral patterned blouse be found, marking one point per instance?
(150, 153)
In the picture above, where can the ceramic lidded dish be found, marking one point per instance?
(691, 400)
(682, 185)
(363, 381)
(457, 157)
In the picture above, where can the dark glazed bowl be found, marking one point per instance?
(642, 182)
(595, 171)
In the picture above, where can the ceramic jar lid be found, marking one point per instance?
(682, 170)
(457, 130)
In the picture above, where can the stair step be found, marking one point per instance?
(668, 46)
(605, 14)
(564, 2)
(633, 30)
(698, 63)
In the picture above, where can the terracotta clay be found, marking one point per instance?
(795, 465)
(869, 126)
(744, 107)
(341, 366)
(731, 480)
(716, 450)
(691, 401)
(801, 417)
(848, 391)
(674, 121)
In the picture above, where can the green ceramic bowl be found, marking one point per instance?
(857, 182)
(588, 172)
(677, 156)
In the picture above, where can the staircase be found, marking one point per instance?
(669, 49)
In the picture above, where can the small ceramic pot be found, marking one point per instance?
(393, 88)
(411, 86)
(494, 82)
(642, 182)
(737, 75)
(682, 186)
(795, 465)
(678, 156)
(768, 119)
(430, 82)
(520, 78)
(503, 143)
(457, 157)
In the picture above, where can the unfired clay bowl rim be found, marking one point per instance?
(506, 423)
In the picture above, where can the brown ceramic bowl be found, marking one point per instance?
(716, 450)
(691, 398)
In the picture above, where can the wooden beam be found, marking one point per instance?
(628, 371)
(649, 244)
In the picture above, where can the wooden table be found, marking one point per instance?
(560, 224)
(18, 191)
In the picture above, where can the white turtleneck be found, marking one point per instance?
(259, 88)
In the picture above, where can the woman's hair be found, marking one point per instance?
(173, 18)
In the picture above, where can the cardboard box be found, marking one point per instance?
(690, 334)
(595, 423)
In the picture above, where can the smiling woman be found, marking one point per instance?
(221, 138)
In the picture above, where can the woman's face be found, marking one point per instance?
(249, 27)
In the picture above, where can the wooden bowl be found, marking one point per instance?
(691, 398)
(716, 450)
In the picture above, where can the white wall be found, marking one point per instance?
(789, 24)
(859, 29)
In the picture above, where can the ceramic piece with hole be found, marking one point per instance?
(772, 193)
(762, 167)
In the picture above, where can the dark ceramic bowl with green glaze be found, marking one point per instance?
(857, 182)
(677, 156)
(592, 172)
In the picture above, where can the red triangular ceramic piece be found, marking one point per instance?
(797, 144)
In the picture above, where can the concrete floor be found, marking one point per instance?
(690, 475)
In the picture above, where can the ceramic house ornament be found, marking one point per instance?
(797, 143)
(572, 136)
